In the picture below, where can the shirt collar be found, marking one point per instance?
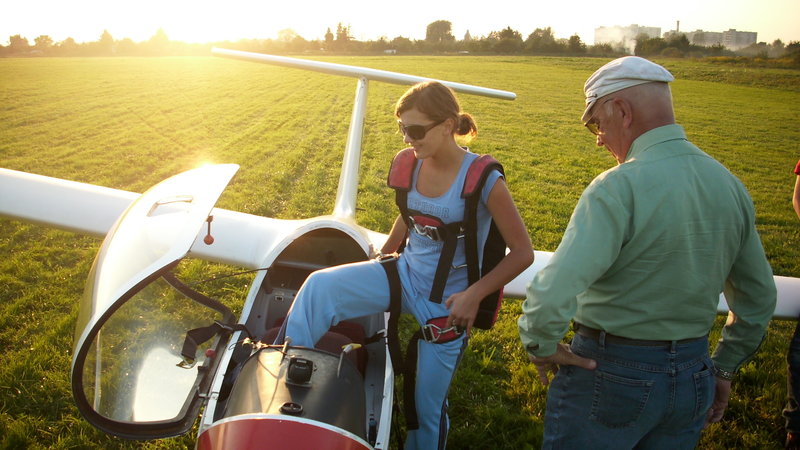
(654, 137)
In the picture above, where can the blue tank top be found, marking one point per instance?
(421, 254)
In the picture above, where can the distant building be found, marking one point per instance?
(625, 36)
(736, 40)
(697, 37)
(731, 39)
(705, 38)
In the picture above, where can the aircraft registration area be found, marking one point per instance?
(150, 350)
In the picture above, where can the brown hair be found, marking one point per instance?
(438, 102)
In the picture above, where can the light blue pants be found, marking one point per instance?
(353, 290)
(638, 397)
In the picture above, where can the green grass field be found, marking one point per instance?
(128, 123)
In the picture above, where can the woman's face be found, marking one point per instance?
(422, 133)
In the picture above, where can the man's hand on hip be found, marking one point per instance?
(562, 357)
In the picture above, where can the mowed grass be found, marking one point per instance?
(128, 123)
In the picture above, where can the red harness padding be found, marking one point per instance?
(401, 174)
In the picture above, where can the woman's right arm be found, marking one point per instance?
(396, 236)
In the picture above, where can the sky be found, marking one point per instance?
(210, 21)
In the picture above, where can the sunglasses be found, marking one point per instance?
(593, 125)
(417, 132)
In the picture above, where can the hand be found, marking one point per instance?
(562, 357)
(463, 308)
(722, 394)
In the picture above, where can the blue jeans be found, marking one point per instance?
(792, 410)
(638, 397)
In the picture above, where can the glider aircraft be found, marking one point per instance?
(186, 351)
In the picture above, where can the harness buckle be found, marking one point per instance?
(432, 333)
(429, 231)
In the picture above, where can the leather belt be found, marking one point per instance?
(593, 333)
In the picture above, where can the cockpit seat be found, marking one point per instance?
(339, 336)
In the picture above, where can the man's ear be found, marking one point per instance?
(627, 112)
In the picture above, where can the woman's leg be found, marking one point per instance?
(436, 365)
(331, 295)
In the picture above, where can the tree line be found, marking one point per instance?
(439, 39)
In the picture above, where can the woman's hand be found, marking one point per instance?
(463, 308)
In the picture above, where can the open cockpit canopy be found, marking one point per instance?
(128, 375)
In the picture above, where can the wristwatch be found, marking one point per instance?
(724, 374)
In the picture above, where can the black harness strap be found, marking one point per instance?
(452, 232)
(197, 336)
(493, 252)
(471, 238)
(395, 303)
(393, 342)
(410, 382)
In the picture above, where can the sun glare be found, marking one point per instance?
(199, 22)
(235, 20)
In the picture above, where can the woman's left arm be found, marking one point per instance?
(463, 305)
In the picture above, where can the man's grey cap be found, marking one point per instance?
(620, 74)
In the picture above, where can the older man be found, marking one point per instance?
(651, 244)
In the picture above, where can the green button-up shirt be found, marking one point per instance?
(648, 249)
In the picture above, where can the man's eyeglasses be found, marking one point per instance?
(417, 132)
(593, 125)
